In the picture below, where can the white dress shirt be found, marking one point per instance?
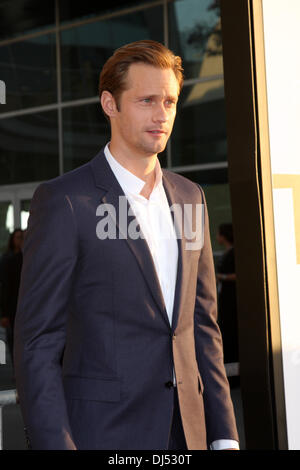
(155, 220)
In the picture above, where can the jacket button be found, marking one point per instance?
(169, 384)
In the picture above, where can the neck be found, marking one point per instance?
(142, 166)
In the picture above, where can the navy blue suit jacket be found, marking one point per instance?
(93, 345)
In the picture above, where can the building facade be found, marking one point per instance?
(51, 54)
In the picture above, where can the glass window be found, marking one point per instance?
(18, 16)
(199, 134)
(28, 69)
(84, 49)
(195, 35)
(72, 11)
(206, 177)
(29, 148)
(216, 189)
(85, 132)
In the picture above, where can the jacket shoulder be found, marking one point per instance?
(70, 180)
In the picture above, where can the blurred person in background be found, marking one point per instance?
(227, 309)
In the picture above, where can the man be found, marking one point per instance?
(116, 325)
(227, 305)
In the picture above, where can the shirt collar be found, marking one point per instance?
(127, 180)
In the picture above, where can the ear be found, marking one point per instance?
(108, 103)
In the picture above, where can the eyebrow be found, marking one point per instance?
(169, 97)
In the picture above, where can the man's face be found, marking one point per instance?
(147, 109)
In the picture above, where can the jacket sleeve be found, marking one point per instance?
(219, 413)
(49, 260)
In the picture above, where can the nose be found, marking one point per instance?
(160, 113)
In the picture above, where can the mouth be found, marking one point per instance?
(158, 132)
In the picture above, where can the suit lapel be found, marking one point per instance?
(105, 179)
(175, 199)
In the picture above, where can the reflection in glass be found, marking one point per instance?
(86, 48)
(85, 132)
(19, 16)
(6, 223)
(25, 207)
(28, 69)
(29, 148)
(195, 35)
(199, 134)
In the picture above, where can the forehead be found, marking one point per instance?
(147, 79)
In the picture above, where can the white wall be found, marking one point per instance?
(282, 54)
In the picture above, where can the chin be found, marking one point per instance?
(161, 149)
(156, 149)
(152, 148)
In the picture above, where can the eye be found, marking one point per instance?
(170, 103)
